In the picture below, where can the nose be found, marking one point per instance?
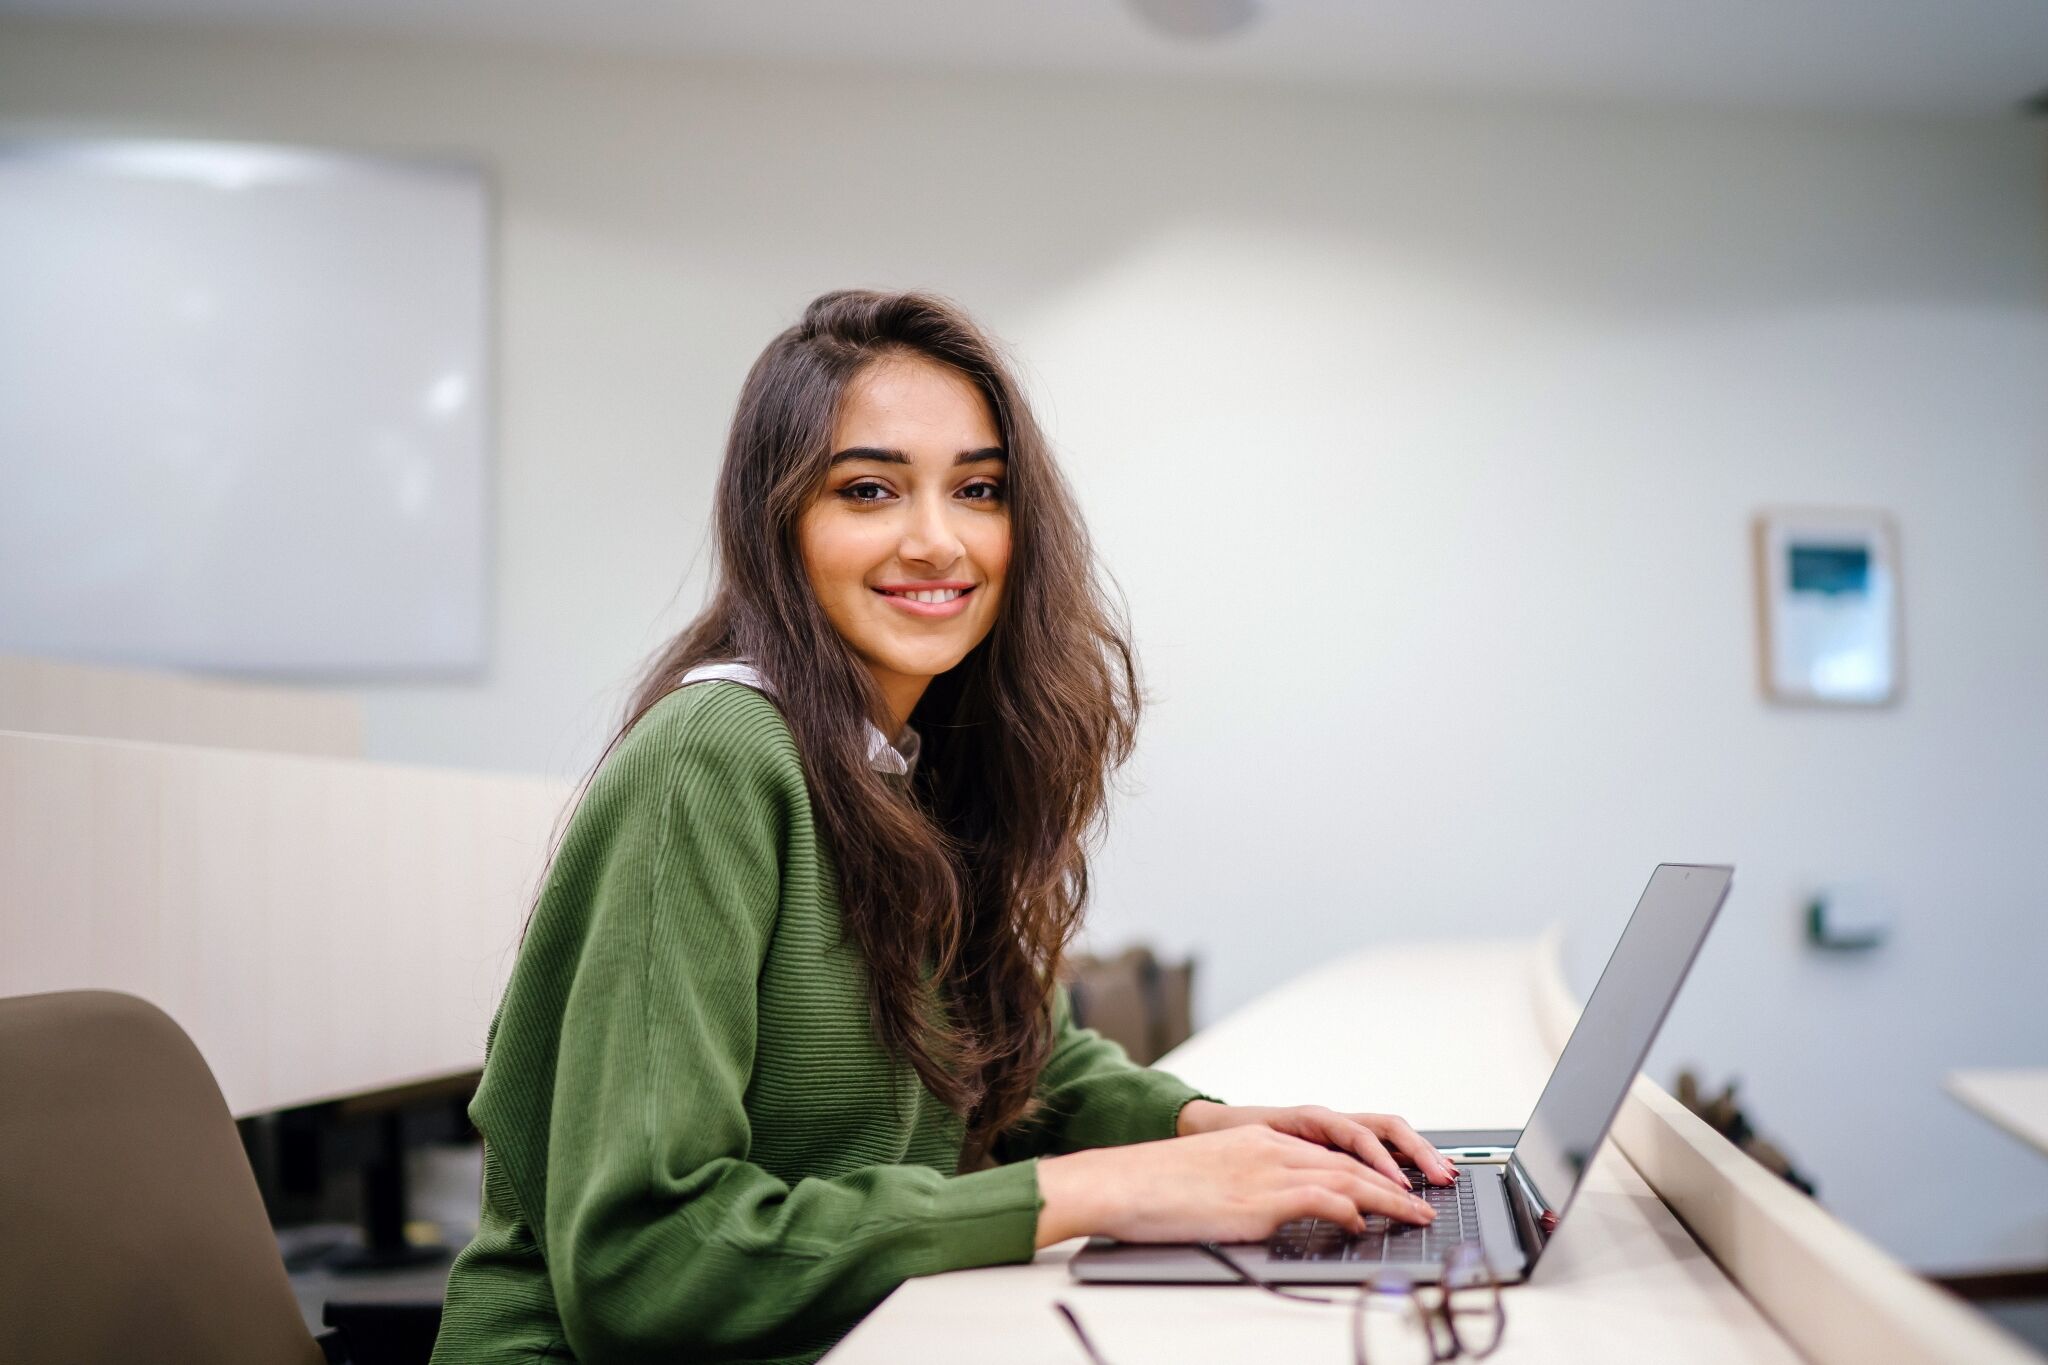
(929, 536)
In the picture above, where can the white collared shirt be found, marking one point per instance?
(884, 756)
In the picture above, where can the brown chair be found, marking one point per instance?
(130, 1224)
(1133, 999)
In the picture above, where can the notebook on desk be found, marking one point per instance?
(1511, 1204)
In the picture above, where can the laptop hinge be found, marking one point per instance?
(1533, 1221)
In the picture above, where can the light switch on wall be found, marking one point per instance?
(1847, 919)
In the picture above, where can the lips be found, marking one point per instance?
(928, 599)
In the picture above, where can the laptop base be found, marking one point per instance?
(1106, 1261)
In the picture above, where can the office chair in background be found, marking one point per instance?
(1133, 999)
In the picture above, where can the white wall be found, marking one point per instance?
(1424, 440)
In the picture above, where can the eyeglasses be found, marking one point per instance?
(1460, 1315)
(1393, 1322)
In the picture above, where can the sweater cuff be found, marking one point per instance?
(1173, 1124)
(1157, 1113)
(986, 1218)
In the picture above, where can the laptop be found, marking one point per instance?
(1514, 1196)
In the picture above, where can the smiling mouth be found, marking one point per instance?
(945, 603)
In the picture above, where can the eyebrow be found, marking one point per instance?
(898, 457)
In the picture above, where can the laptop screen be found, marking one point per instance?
(1615, 1030)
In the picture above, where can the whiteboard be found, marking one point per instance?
(243, 396)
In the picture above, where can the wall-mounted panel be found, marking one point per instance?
(243, 420)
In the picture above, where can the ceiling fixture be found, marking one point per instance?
(1195, 19)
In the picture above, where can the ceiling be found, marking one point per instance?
(1920, 56)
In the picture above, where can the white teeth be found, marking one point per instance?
(931, 595)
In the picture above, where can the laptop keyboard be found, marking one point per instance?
(1384, 1239)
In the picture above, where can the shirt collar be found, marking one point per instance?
(897, 757)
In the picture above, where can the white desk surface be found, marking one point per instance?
(2016, 1100)
(1452, 1043)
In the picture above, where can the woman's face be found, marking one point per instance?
(914, 502)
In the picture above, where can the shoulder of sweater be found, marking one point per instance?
(725, 725)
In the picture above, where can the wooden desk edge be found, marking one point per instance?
(1976, 1090)
(1833, 1293)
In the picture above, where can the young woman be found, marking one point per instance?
(783, 1031)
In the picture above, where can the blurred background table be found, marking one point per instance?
(2016, 1099)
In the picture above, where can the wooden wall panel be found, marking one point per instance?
(47, 696)
(320, 926)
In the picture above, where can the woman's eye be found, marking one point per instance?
(984, 492)
(863, 492)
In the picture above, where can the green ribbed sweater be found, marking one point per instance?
(694, 1147)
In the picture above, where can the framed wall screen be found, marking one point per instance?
(1828, 584)
(244, 427)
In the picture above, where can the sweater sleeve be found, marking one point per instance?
(662, 1240)
(1091, 1094)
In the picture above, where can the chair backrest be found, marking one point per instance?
(1133, 999)
(130, 1223)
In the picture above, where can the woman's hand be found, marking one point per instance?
(1233, 1185)
(1366, 1136)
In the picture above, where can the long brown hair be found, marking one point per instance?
(963, 890)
